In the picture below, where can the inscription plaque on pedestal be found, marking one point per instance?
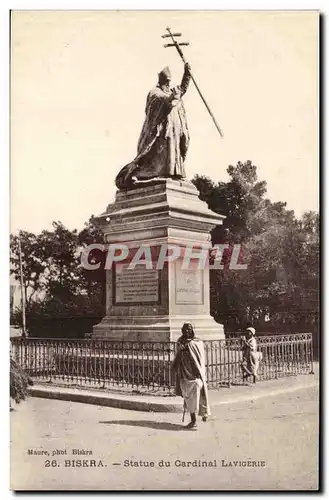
(135, 286)
(189, 286)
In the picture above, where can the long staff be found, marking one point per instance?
(180, 52)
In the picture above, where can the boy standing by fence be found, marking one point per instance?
(251, 357)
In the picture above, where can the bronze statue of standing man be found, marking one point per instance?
(164, 139)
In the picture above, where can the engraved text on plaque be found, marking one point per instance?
(135, 286)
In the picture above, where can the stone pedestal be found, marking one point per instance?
(149, 304)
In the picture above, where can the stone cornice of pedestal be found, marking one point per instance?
(167, 204)
(138, 239)
(154, 221)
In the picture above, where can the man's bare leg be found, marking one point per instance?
(192, 424)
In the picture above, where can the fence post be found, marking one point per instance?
(228, 364)
(311, 354)
(276, 360)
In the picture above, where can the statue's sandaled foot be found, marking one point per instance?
(147, 182)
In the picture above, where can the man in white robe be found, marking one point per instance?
(190, 371)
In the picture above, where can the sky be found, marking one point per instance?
(79, 81)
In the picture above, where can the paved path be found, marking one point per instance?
(281, 431)
(124, 399)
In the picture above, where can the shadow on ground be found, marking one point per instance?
(166, 426)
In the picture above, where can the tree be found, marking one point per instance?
(239, 199)
(49, 262)
(56, 285)
(32, 262)
(93, 280)
(60, 253)
(279, 287)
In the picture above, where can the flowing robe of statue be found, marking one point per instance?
(164, 139)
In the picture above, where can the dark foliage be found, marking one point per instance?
(19, 382)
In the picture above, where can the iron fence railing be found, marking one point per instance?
(147, 365)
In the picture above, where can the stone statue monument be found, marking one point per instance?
(164, 139)
(156, 212)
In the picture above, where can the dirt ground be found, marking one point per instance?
(269, 444)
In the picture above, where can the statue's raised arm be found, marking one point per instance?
(186, 78)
